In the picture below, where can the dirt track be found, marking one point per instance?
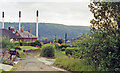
(36, 63)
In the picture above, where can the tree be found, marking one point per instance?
(5, 43)
(106, 16)
(106, 31)
(60, 41)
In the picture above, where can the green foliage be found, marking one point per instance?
(6, 43)
(59, 53)
(21, 54)
(17, 43)
(63, 49)
(36, 43)
(60, 41)
(105, 15)
(70, 50)
(73, 64)
(25, 44)
(28, 47)
(104, 43)
(64, 46)
(47, 50)
(31, 43)
(101, 49)
(56, 45)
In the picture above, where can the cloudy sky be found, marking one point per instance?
(68, 12)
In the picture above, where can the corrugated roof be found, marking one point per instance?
(26, 34)
(8, 33)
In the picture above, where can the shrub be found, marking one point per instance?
(36, 43)
(64, 46)
(67, 45)
(17, 43)
(101, 49)
(17, 48)
(6, 43)
(56, 45)
(24, 44)
(63, 49)
(70, 50)
(31, 43)
(60, 41)
(47, 50)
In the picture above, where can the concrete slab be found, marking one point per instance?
(5, 67)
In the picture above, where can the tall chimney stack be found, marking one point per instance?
(3, 20)
(19, 20)
(65, 38)
(37, 23)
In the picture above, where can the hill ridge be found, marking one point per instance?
(49, 30)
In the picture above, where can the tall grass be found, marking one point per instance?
(72, 64)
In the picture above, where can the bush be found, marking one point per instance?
(56, 45)
(64, 46)
(17, 48)
(47, 50)
(6, 43)
(60, 41)
(67, 45)
(24, 44)
(63, 49)
(18, 44)
(31, 43)
(101, 49)
(70, 51)
(36, 43)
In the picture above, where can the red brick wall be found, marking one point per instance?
(25, 40)
(28, 39)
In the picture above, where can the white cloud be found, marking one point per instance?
(68, 13)
(45, 0)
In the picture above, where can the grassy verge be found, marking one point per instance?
(16, 66)
(59, 53)
(28, 47)
(24, 55)
(73, 64)
(1, 70)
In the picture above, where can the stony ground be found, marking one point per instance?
(36, 63)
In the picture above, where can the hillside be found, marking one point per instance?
(48, 30)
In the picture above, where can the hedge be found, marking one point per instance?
(47, 50)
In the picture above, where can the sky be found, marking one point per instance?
(67, 12)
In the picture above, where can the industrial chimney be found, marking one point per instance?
(65, 38)
(19, 20)
(3, 20)
(37, 23)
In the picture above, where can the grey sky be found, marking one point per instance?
(68, 12)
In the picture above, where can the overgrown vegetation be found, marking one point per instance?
(35, 43)
(101, 47)
(6, 43)
(72, 64)
(60, 41)
(22, 54)
(47, 50)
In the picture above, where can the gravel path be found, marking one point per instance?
(36, 63)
